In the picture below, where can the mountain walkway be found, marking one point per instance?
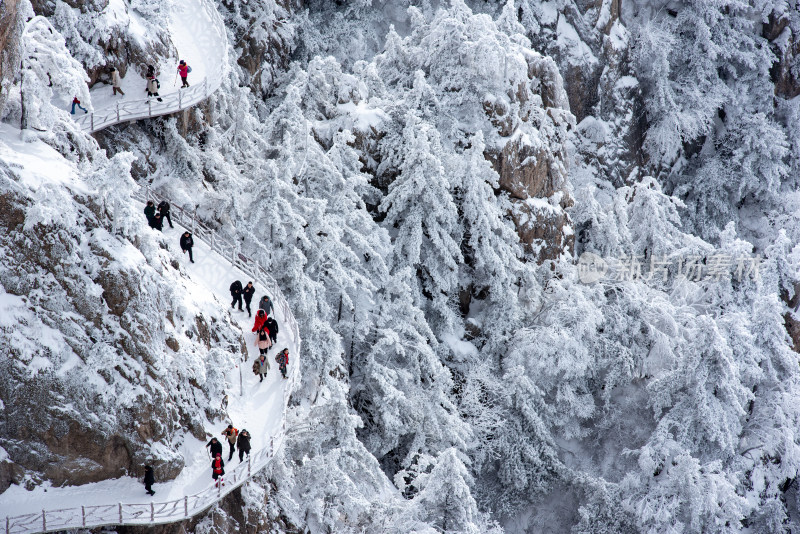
(91, 515)
(202, 40)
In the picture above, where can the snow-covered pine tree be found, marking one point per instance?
(423, 218)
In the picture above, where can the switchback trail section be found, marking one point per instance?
(258, 407)
(198, 32)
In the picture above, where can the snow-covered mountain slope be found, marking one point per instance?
(421, 180)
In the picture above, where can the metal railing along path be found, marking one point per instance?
(155, 513)
(145, 108)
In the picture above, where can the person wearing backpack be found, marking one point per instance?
(231, 434)
(283, 360)
(217, 470)
(243, 444)
(153, 85)
(272, 325)
(184, 70)
(236, 293)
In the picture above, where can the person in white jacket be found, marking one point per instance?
(116, 82)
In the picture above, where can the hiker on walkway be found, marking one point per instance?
(243, 444)
(158, 222)
(231, 433)
(149, 480)
(236, 293)
(163, 208)
(184, 70)
(263, 341)
(283, 360)
(261, 366)
(187, 243)
(247, 293)
(76, 102)
(218, 469)
(266, 304)
(261, 318)
(272, 327)
(150, 212)
(116, 82)
(153, 85)
(214, 447)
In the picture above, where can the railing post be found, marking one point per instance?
(271, 447)
(149, 107)
(8, 529)
(117, 111)
(205, 86)
(120, 513)
(152, 512)
(83, 516)
(91, 122)
(219, 488)
(186, 506)
(212, 240)
(44, 522)
(180, 105)
(249, 465)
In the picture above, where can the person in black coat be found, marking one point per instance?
(150, 212)
(247, 292)
(218, 469)
(149, 480)
(243, 444)
(272, 325)
(163, 208)
(187, 243)
(158, 222)
(236, 293)
(215, 447)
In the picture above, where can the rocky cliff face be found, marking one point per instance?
(106, 366)
(10, 31)
(535, 175)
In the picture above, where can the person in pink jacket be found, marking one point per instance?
(183, 70)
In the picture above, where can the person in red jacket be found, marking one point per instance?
(261, 318)
(218, 469)
(183, 70)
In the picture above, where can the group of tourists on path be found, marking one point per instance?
(156, 216)
(152, 85)
(236, 440)
(266, 329)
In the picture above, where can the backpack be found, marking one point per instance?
(188, 69)
(256, 367)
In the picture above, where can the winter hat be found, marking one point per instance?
(182, 62)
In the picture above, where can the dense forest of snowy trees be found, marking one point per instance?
(422, 179)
